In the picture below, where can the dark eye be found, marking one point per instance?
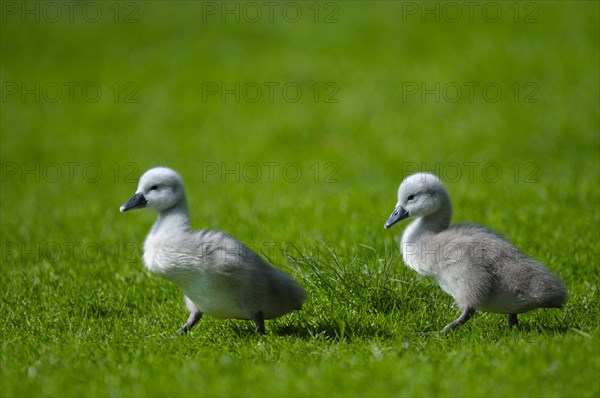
(410, 197)
(154, 187)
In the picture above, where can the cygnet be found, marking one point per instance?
(479, 268)
(218, 275)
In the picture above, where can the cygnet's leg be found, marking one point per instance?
(512, 320)
(192, 320)
(259, 320)
(465, 316)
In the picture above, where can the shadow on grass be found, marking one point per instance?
(479, 325)
(326, 330)
(495, 332)
(333, 331)
(541, 329)
(348, 330)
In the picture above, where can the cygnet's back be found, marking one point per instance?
(218, 275)
(479, 268)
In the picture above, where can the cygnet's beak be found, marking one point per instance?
(137, 201)
(399, 214)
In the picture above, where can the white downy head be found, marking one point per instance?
(159, 189)
(419, 195)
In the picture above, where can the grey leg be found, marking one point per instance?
(465, 316)
(259, 320)
(512, 320)
(192, 320)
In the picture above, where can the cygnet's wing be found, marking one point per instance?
(493, 274)
(260, 286)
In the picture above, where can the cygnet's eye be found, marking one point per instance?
(154, 187)
(410, 197)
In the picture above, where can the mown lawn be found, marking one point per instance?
(292, 125)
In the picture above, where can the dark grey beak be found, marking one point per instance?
(137, 201)
(399, 214)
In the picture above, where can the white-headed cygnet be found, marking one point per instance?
(218, 275)
(480, 269)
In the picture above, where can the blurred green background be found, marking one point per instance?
(292, 124)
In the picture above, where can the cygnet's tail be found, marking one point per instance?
(285, 293)
(553, 292)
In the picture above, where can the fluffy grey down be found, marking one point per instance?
(479, 268)
(218, 274)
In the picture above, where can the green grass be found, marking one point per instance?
(82, 317)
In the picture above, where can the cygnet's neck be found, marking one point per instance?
(176, 218)
(431, 223)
